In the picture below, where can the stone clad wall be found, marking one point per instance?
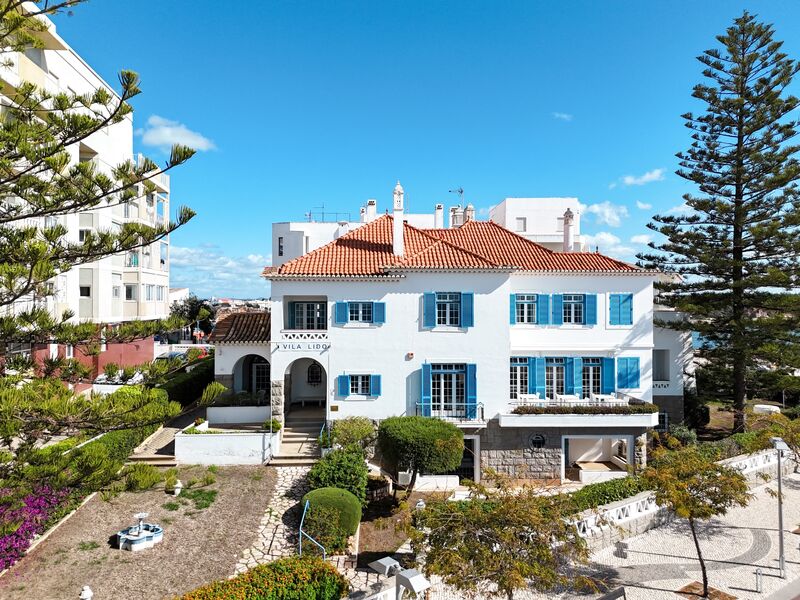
(508, 452)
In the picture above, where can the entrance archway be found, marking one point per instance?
(251, 373)
(305, 386)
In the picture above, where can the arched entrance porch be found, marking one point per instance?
(251, 373)
(305, 388)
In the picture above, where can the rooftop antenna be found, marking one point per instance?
(460, 192)
(322, 212)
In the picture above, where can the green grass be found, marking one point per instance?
(88, 545)
(171, 506)
(213, 469)
(201, 498)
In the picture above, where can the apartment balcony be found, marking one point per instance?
(599, 410)
(460, 414)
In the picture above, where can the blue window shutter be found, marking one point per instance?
(608, 384)
(626, 309)
(543, 309)
(512, 313)
(374, 385)
(633, 372)
(558, 309)
(429, 309)
(467, 309)
(341, 313)
(425, 399)
(379, 313)
(472, 391)
(343, 385)
(613, 309)
(569, 375)
(291, 315)
(577, 373)
(623, 373)
(590, 309)
(531, 375)
(540, 371)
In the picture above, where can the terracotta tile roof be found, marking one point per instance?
(367, 251)
(242, 327)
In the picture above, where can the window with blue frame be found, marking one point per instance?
(620, 308)
(573, 309)
(309, 315)
(526, 308)
(448, 309)
(592, 376)
(359, 385)
(449, 390)
(555, 377)
(518, 376)
(360, 312)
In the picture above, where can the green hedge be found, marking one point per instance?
(344, 469)
(603, 492)
(346, 504)
(293, 578)
(187, 387)
(630, 409)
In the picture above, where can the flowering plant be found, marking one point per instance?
(21, 520)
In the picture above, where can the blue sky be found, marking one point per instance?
(301, 104)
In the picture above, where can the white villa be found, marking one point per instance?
(465, 323)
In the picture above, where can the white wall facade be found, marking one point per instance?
(541, 220)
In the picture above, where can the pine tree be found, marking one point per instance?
(735, 247)
(37, 129)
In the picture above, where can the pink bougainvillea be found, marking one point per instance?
(22, 520)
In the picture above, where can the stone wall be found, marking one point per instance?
(276, 400)
(509, 452)
(225, 379)
(672, 405)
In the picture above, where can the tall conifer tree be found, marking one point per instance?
(736, 244)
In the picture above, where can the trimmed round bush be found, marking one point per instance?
(344, 469)
(294, 578)
(345, 503)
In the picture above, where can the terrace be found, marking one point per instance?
(564, 410)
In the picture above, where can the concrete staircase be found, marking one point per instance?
(300, 445)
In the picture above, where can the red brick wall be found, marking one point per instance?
(124, 355)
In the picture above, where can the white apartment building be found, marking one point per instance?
(541, 220)
(462, 323)
(117, 288)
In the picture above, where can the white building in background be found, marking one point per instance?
(124, 287)
(463, 323)
(541, 220)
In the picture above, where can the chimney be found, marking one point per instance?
(372, 210)
(438, 216)
(568, 235)
(469, 213)
(456, 216)
(343, 228)
(397, 217)
(363, 214)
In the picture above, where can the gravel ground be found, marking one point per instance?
(199, 546)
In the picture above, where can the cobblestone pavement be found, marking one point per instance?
(735, 545)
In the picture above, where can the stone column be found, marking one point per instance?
(640, 452)
(276, 400)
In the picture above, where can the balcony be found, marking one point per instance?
(304, 334)
(599, 410)
(460, 414)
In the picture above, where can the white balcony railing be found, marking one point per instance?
(455, 412)
(304, 334)
(606, 400)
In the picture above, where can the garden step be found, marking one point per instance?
(158, 460)
(292, 460)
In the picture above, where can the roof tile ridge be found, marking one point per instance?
(505, 230)
(605, 256)
(438, 240)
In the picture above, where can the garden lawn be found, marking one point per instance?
(200, 545)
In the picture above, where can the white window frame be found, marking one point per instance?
(360, 385)
(448, 309)
(134, 292)
(360, 312)
(657, 369)
(592, 376)
(518, 377)
(521, 221)
(574, 311)
(526, 308)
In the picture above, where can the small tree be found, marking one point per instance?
(695, 488)
(503, 540)
(420, 444)
(345, 469)
(354, 431)
(783, 427)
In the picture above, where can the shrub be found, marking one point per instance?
(272, 424)
(344, 469)
(793, 412)
(420, 444)
(294, 578)
(734, 445)
(354, 431)
(686, 436)
(199, 421)
(111, 370)
(613, 490)
(630, 409)
(187, 387)
(139, 477)
(345, 503)
(170, 479)
(324, 524)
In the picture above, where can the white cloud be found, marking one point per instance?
(209, 272)
(606, 213)
(562, 116)
(649, 177)
(642, 238)
(610, 245)
(643, 205)
(612, 185)
(163, 133)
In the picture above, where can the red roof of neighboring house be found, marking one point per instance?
(242, 327)
(476, 245)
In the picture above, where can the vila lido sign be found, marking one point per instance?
(303, 346)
